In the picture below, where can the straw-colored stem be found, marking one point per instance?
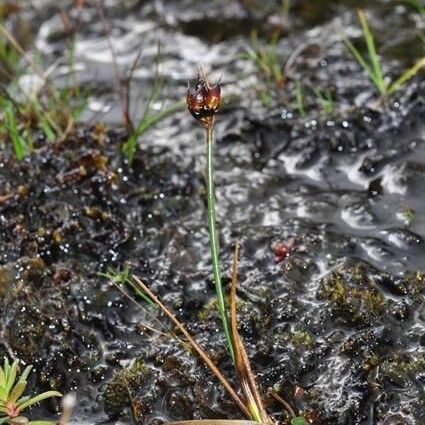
(243, 367)
(202, 354)
(214, 241)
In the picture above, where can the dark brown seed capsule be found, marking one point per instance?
(203, 100)
(212, 98)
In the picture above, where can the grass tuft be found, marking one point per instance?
(371, 63)
(416, 4)
(150, 116)
(299, 96)
(24, 116)
(123, 277)
(266, 59)
(325, 99)
(9, 128)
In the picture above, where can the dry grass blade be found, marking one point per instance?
(129, 79)
(214, 422)
(243, 367)
(202, 354)
(120, 88)
(5, 198)
(292, 58)
(284, 403)
(150, 328)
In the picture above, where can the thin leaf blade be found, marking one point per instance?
(37, 399)
(371, 48)
(407, 75)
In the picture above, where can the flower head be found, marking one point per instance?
(203, 100)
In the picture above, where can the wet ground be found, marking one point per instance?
(342, 316)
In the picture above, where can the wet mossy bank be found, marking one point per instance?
(327, 204)
(329, 317)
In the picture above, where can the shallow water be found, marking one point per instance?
(342, 316)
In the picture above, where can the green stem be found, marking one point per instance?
(214, 242)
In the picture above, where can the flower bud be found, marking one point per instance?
(203, 100)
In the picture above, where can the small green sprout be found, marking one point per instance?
(416, 4)
(9, 126)
(372, 64)
(268, 65)
(266, 59)
(300, 99)
(325, 100)
(12, 404)
(407, 215)
(23, 112)
(299, 420)
(151, 115)
(123, 277)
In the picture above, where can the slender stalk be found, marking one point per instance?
(214, 241)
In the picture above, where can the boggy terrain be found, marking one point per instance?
(327, 206)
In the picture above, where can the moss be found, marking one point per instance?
(357, 305)
(96, 213)
(371, 363)
(7, 277)
(296, 270)
(413, 284)
(249, 318)
(123, 384)
(403, 368)
(358, 271)
(208, 310)
(302, 338)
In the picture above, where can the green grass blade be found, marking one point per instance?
(19, 146)
(300, 99)
(407, 75)
(362, 62)
(123, 277)
(47, 130)
(319, 95)
(325, 99)
(330, 102)
(130, 146)
(417, 5)
(250, 54)
(371, 48)
(140, 293)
